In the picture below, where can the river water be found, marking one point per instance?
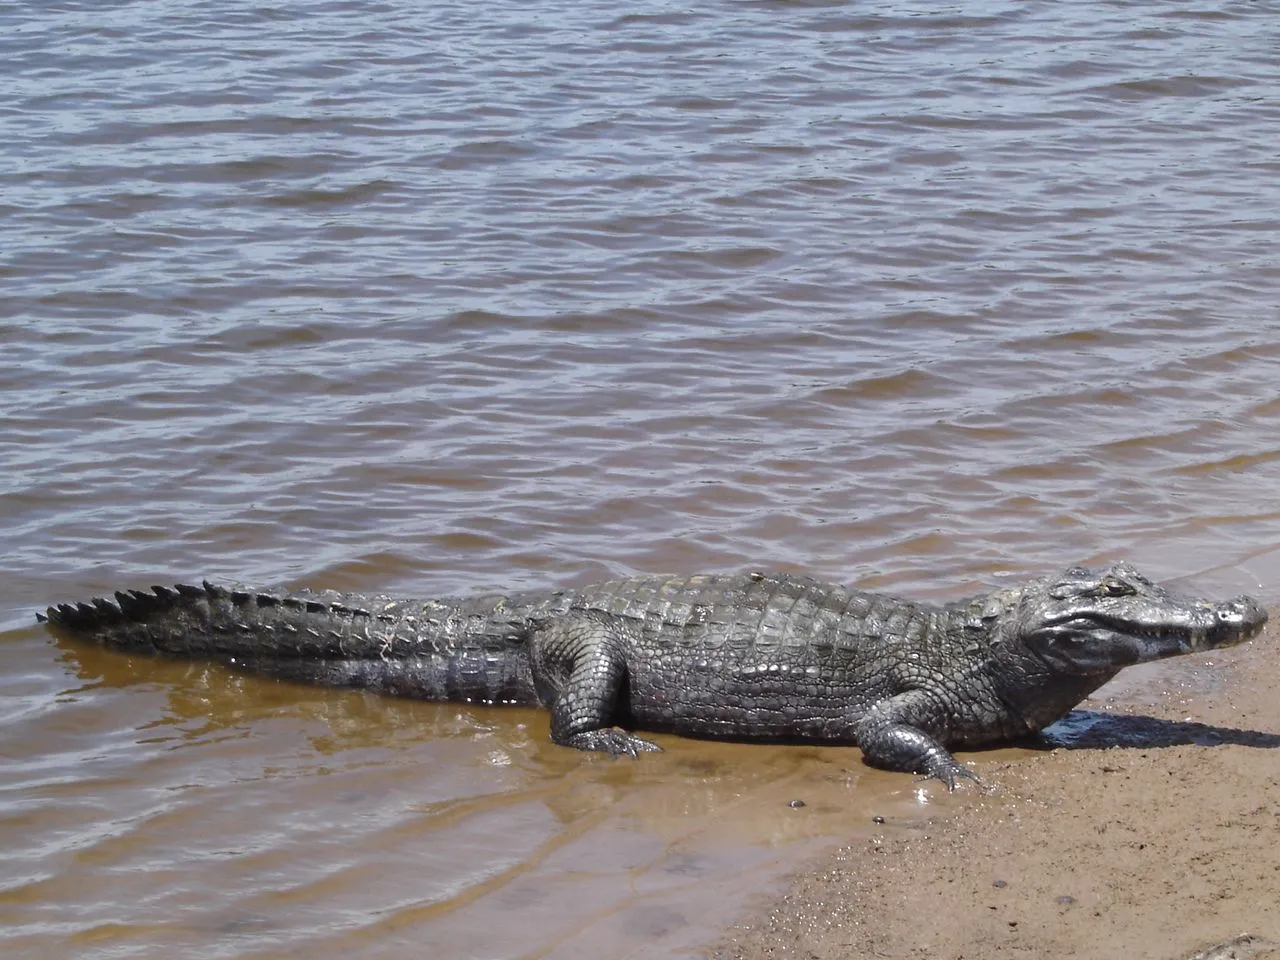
(429, 298)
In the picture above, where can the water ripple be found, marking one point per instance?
(431, 298)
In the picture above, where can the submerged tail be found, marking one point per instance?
(438, 650)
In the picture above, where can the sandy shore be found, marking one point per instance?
(1161, 846)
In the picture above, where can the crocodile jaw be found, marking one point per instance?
(1104, 621)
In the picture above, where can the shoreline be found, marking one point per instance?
(1162, 846)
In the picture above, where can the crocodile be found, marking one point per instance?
(749, 656)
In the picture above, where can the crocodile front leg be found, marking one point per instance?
(894, 735)
(580, 668)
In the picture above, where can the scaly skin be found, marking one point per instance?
(745, 657)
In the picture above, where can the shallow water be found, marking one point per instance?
(425, 300)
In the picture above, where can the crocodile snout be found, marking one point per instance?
(1241, 619)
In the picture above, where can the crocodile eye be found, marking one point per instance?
(1116, 588)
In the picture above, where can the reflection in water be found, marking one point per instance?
(206, 704)
(422, 819)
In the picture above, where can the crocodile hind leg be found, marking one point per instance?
(580, 670)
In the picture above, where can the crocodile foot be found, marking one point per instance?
(950, 772)
(612, 740)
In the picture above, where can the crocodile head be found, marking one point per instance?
(1090, 622)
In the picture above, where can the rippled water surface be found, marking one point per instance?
(424, 298)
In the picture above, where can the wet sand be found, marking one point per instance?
(1161, 846)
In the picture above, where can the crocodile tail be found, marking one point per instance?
(396, 647)
(209, 621)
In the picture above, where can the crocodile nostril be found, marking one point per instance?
(1242, 611)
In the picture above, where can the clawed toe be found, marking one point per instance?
(950, 773)
(614, 741)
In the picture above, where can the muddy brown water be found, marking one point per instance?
(427, 298)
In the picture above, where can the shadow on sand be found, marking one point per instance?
(1096, 730)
